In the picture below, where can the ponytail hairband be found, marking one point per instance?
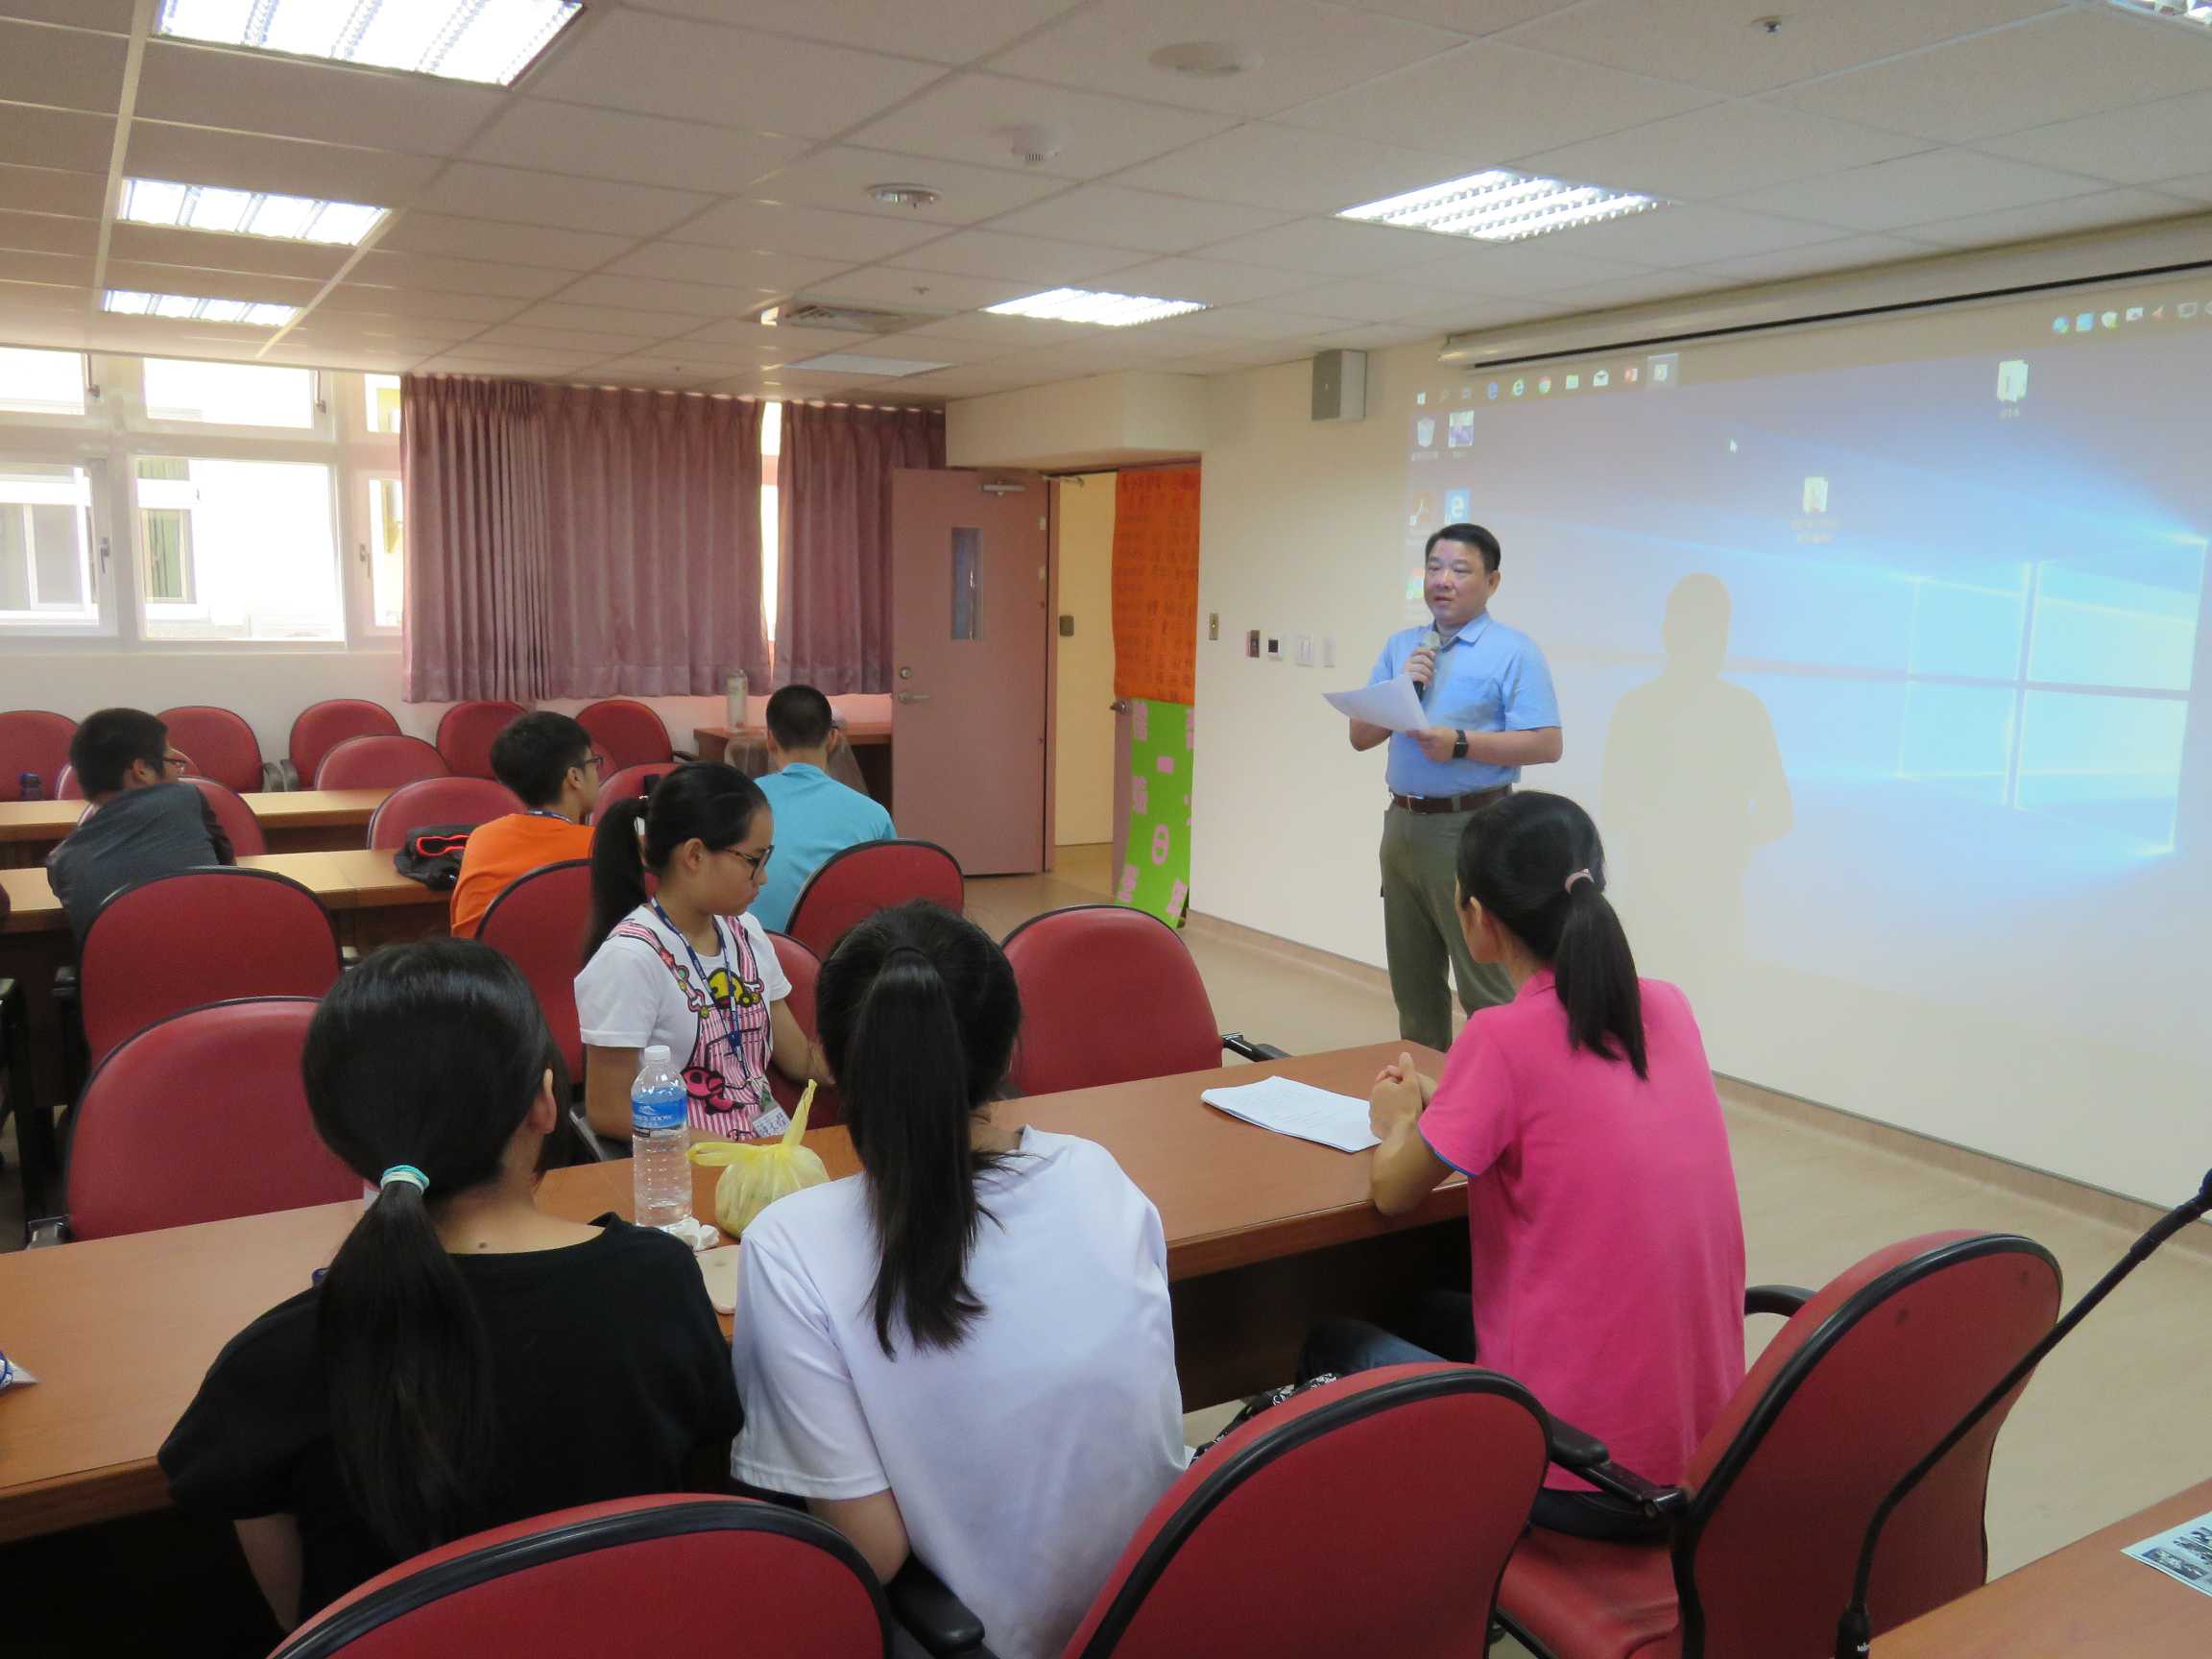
(404, 1175)
(1581, 876)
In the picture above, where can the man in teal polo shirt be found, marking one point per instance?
(816, 816)
(1487, 691)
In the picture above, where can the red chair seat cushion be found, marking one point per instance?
(1584, 1600)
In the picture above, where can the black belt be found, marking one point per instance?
(1440, 804)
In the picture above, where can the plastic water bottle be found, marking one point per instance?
(29, 786)
(658, 1136)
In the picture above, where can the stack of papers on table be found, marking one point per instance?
(1298, 1109)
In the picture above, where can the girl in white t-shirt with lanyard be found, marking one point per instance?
(684, 965)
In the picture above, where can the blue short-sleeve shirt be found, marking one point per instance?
(1489, 678)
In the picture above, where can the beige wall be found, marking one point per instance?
(1083, 730)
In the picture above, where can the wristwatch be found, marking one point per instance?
(1459, 744)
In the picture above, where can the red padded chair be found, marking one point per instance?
(221, 745)
(199, 1118)
(66, 787)
(199, 936)
(380, 764)
(465, 731)
(631, 780)
(1865, 1376)
(237, 818)
(1371, 1516)
(803, 968)
(537, 922)
(469, 801)
(1110, 995)
(33, 740)
(321, 726)
(629, 734)
(854, 884)
(636, 1575)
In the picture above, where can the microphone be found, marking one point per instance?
(1854, 1632)
(1430, 641)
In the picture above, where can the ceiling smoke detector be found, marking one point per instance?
(1034, 146)
(904, 195)
(1204, 60)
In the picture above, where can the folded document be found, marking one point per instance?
(1291, 1108)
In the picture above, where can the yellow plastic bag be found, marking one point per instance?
(754, 1176)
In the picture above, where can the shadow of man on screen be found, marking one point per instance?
(1692, 786)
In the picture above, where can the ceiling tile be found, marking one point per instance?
(1486, 103)
(557, 339)
(1020, 258)
(431, 333)
(1719, 152)
(1718, 45)
(1243, 323)
(417, 232)
(65, 68)
(2074, 61)
(113, 15)
(50, 190)
(298, 98)
(293, 166)
(1292, 168)
(20, 298)
(556, 198)
(917, 290)
(1845, 253)
(1367, 337)
(457, 275)
(840, 177)
(2197, 188)
(1638, 290)
(521, 356)
(1936, 184)
(1304, 50)
(23, 266)
(1329, 248)
(1004, 334)
(968, 117)
(418, 302)
(528, 367)
(407, 346)
(1369, 299)
(2094, 211)
(1476, 312)
(672, 66)
(1696, 233)
(156, 279)
(1147, 219)
(1514, 268)
(1467, 17)
(265, 253)
(2133, 146)
(945, 31)
(670, 372)
(48, 233)
(728, 267)
(1216, 281)
(33, 137)
(768, 345)
(811, 231)
(645, 294)
(641, 325)
(642, 149)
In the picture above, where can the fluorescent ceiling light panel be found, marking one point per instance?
(860, 363)
(254, 313)
(483, 41)
(246, 213)
(1502, 206)
(2169, 11)
(1107, 310)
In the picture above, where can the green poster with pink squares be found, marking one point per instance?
(1156, 868)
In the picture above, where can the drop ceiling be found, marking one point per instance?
(669, 169)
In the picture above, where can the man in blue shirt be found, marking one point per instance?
(1487, 691)
(816, 816)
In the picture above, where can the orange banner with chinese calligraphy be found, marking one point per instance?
(1156, 583)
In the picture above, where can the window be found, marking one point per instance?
(46, 544)
(381, 392)
(230, 394)
(253, 547)
(387, 552)
(41, 382)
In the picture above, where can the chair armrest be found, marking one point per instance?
(45, 1231)
(602, 1150)
(1572, 1448)
(1782, 1299)
(1236, 1043)
(936, 1617)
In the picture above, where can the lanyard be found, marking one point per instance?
(728, 955)
(559, 817)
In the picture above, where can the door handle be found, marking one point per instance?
(913, 696)
(1119, 706)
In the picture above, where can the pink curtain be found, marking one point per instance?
(834, 628)
(652, 532)
(473, 469)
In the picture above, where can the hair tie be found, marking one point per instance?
(403, 1175)
(1581, 876)
(638, 824)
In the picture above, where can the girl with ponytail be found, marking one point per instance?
(430, 1384)
(1608, 1241)
(966, 1349)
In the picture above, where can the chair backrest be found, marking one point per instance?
(636, 1576)
(201, 1117)
(465, 731)
(66, 787)
(469, 801)
(1109, 995)
(221, 745)
(1283, 1538)
(199, 936)
(237, 818)
(379, 764)
(1849, 1394)
(321, 726)
(33, 740)
(803, 969)
(627, 733)
(538, 923)
(856, 883)
(629, 782)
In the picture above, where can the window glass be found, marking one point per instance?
(46, 544)
(381, 394)
(41, 382)
(387, 552)
(254, 547)
(230, 394)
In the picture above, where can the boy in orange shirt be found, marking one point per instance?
(548, 761)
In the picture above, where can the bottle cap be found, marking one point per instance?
(657, 1055)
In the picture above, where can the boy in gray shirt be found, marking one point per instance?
(142, 820)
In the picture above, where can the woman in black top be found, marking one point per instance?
(466, 1360)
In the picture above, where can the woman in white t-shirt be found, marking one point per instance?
(684, 965)
(965, 1351)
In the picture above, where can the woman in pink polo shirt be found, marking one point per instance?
(1607, 1244)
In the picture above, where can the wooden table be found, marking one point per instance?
(1265, 1236)
(2086, 1599)
(292, 821)
(871, 741)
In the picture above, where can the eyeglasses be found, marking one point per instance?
(175, 762)
(758, 860)
(593, 762)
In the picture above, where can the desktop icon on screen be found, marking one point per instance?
(1459, 506)
(1543, 385)
(1628, 375)
(1574, 382)
(2110, 319)
(2134, 313)
(2058, 325)
(1601, 379)
(1424, 431)
(1815, 495)
(1519, 387)
(1420, 397)
(1666, 368)
(2085, 323)
(1459, 429)
(1493, 392)
(2012, 380)
(2186, 310)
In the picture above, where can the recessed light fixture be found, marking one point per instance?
(246, 213)
(1084, 305)
(490, 41)
(1501, 206)
(254, 313)
(904, 195)
(859, 363)
(2168, 10)
(1204, 60)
